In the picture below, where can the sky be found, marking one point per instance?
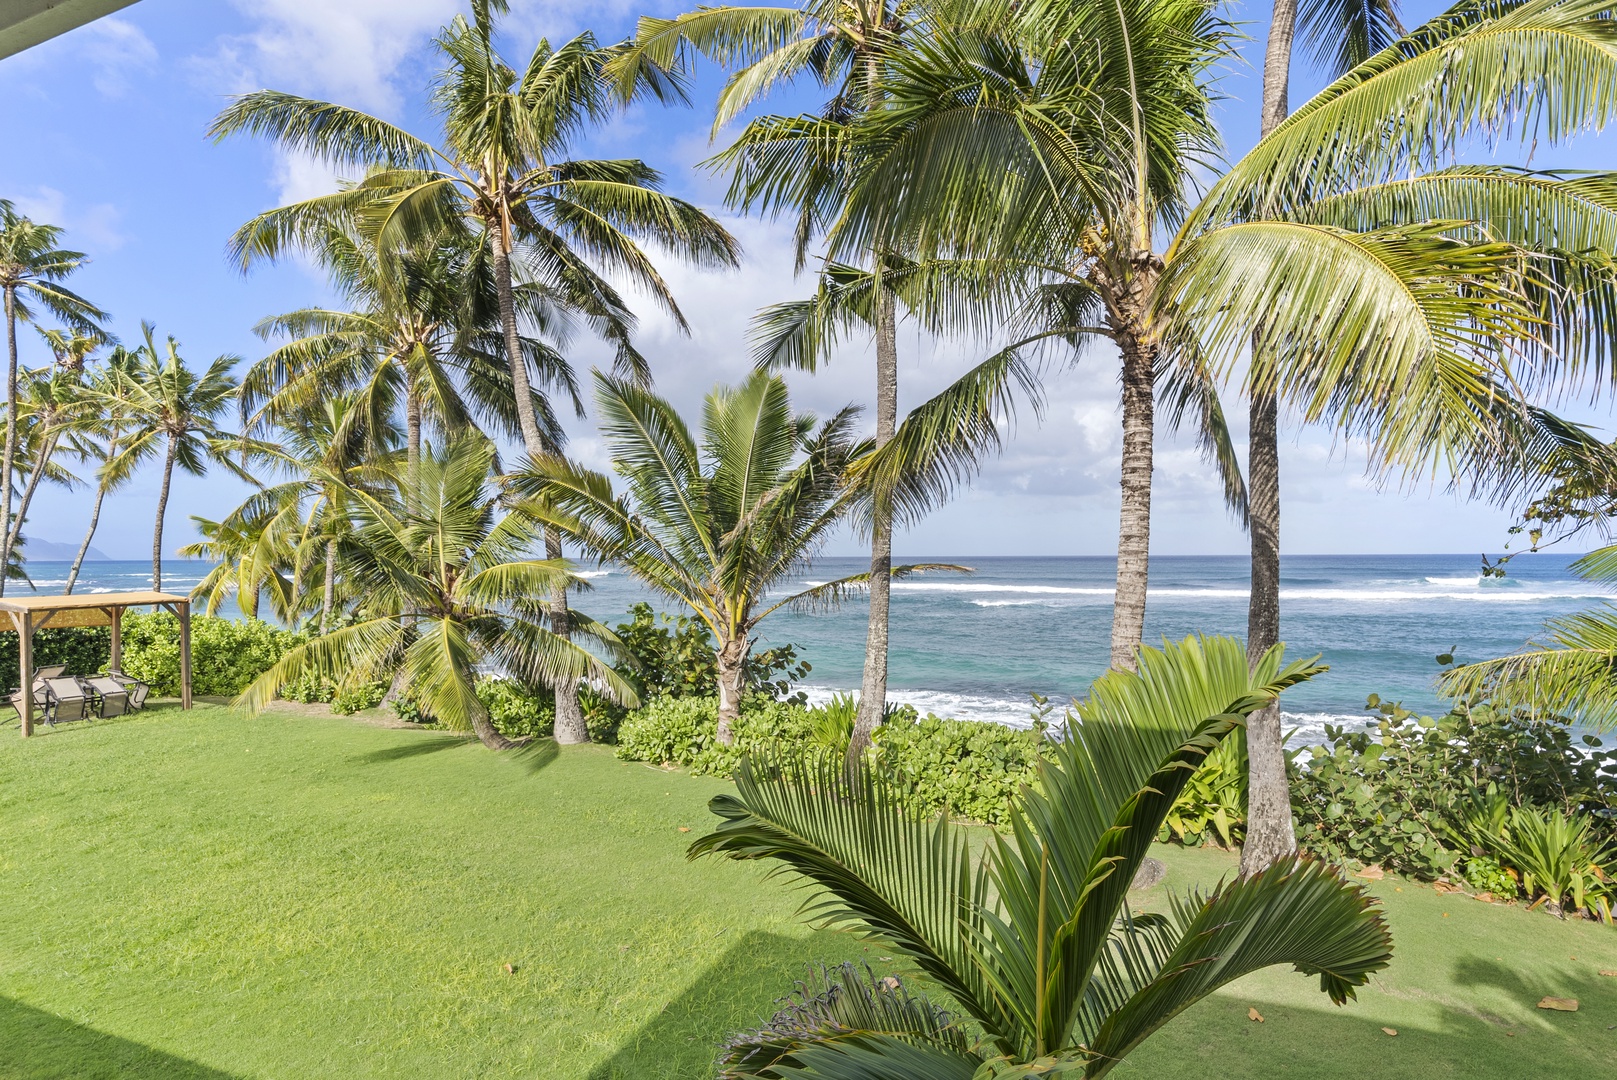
(105, 136)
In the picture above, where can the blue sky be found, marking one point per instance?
(104, 135)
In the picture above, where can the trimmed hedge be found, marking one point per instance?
(962, 767)
(84, 649)
(226, 655)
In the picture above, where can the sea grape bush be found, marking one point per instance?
(226, 654)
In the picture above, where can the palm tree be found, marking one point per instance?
(501, 167)
(717, 526)
(102, 426)
(444, 552)
(32, 267)
(1030, 935)
(54, 408)
(170, 409)
(793, 164)
(1361, 206)
(1342, 35)
(252, 555)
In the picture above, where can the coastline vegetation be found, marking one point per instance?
(1017, 176)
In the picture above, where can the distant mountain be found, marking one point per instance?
(50, 551)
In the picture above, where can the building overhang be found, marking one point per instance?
(26, 23)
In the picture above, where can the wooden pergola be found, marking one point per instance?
(31, 613)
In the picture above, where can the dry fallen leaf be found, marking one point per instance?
(1610, 974)
(684, 828)
(1390, 1031)
(510, 969)
(1510, 1034)
(1445, 914)
(1485, 897)
(1559, 1004)
(889, 983)
(1253, 1014)
(1372, 873)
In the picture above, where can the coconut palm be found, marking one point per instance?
(794, 165)
(53, 409)
(445, 552)
(1029, 936)
(100, 429)
(718, 525)
(169, 409)
(32, 268)
(1341, 34)
(501, 167)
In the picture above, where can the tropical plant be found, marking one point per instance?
(1561, 859)
(500, 168)
(796, 165)
(1032, 938)
(169, 409)
(716, 526)
(32, 267)
(101, 426)
(53, 409)
(445, 553)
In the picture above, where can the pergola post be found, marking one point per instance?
(115, 662)
(25, 668)
(183, 610)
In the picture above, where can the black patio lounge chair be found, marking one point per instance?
(138, 690)
(67, 700)
(111, 696)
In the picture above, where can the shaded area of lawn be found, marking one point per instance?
(295, 896)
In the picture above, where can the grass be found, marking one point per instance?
(204, 896)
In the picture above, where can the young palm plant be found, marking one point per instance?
(718, 526)
(501, 167)
(169, 409)
(446, 554)
(1031, 936)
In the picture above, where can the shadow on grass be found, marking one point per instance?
(36, 1045)
(536, 754)
(736, 992)
(426, 744)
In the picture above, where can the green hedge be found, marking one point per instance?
(965, 768)
(84, 649)
(226, 655)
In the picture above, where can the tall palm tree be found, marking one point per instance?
(32, 267)
(445, 552)
(1092, 153)
(716, 525)
(1341, 34)
(171, 410)
(840, 45)
(1030, 935)
(54, 406)
(501, 167)
(1357, 184)
(102, 427)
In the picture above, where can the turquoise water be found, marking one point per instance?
(975, 645)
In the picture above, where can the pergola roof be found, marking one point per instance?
(84, 609)
(26, 23)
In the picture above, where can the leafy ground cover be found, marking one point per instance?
(208, 896)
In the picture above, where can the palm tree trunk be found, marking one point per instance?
(1134, 522)
(331, 586)
(412, 441)
(162, 508)
(89, 534)
(34, 477)
(570, 725)
(873, 687)
(484, 728)
(8, 462)
(571, 729)
(732, 662)
(1270, 831)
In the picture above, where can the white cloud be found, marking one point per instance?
(116, 48)
(93, 226)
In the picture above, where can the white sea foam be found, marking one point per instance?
(592, 573)
(1468, 590)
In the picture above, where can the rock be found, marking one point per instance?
(1610, 974)
(1559, 1004)
(1150, 873)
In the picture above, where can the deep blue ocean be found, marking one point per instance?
(974, 646)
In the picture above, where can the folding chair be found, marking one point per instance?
(112, 699)
(49, 671)
(67, 700)
(137, 689)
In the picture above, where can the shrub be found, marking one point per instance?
(1212, 806)
(353, 698)
(84, 649)
(963, 767)
(226, 655)
(516, 711)
(310, 688)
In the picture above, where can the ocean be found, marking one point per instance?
(974, 646)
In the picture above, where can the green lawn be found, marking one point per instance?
(205, 896)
